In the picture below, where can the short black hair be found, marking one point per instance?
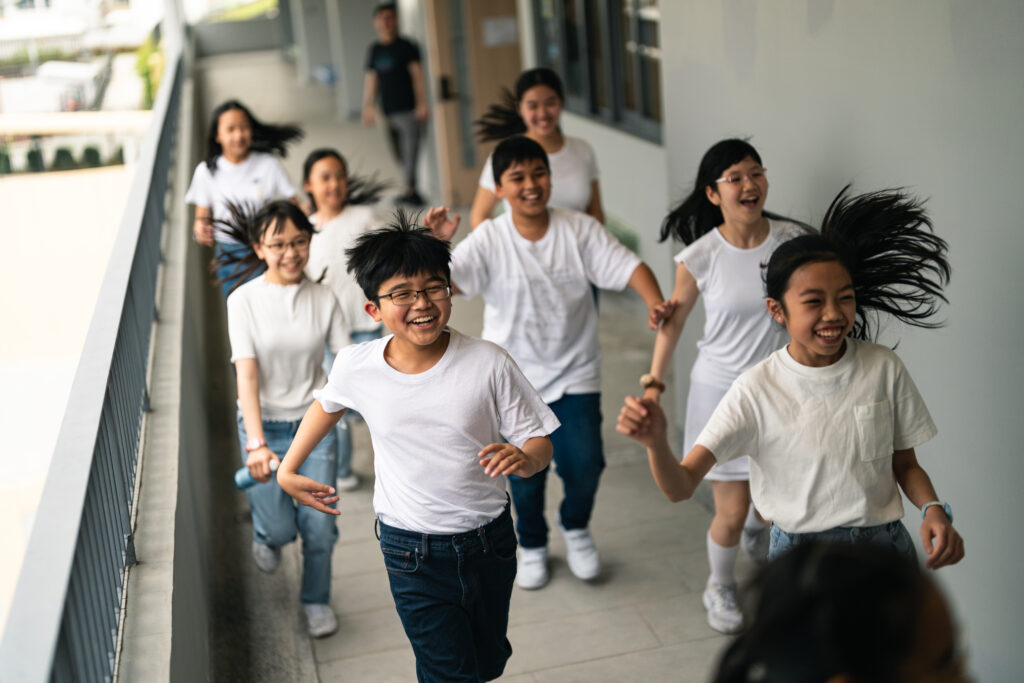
(400, 248)
(384, 7)
(516, 150)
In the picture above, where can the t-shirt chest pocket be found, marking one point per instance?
(874, 430)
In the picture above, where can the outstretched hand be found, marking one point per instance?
(503, 459)
(442, 223)
(661, 313)
(309, 492)
(643, 420)
(942, 543)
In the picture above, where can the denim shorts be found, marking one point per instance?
(452, 594)
(893, 535)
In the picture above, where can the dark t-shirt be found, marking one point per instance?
(391, 62)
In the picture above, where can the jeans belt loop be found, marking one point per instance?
(484, 542)
(425, 546)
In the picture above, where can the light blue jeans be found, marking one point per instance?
(277, 519)
(344, 434)
(892, 535)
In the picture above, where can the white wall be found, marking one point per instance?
(924, 94)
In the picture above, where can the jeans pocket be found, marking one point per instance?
(399, 559)
(504, 547)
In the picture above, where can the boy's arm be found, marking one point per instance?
(941, 541)
(594, 207)
(643, 282)
(504, 458)
(315, 425)
(248, 379)
(644, 421)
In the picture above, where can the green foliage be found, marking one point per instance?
(149, 64)
(63, 160)
(117, 158)
(248, 10)
(91, 157)
(35, 160)
(21, 58)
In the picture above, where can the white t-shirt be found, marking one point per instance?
(327, 258)
(285, 328)
(427, 429)
(738, 330)
(259, 178)
(573, 172)
(821, 440)
(538, 301)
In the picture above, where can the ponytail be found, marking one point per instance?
(502, 120)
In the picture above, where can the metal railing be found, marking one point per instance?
(65, 614)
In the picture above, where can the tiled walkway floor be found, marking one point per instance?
(641, 621)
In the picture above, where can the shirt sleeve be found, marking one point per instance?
(487, 175)
(589, 160)
(240, 328)
(470, 272)
(522, 413)
(200, 191)
(413, 51)
(732, 429)
(369, 57)
(609, 264)
(695, 258)
(912, 423)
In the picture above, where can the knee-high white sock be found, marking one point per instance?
(752, 523)
(723, 562)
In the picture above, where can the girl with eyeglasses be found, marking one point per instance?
(279, 323)
(728, 235)
(239, 167)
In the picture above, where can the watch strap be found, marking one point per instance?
(945, 508)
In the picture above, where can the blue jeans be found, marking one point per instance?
(342, 431)
(224, 272)
(579, 460)
(277, 519)
(892, 535)
(452, 594)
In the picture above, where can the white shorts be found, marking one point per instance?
(700, 404)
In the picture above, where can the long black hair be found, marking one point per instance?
(822, 610)
(695, 216)
(361, 190)
(246, 224)
(884, 239)
(266, 137)
(502, 120)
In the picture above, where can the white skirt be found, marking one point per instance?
(700, 404)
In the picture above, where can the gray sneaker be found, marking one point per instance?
(267, 557)
(320, 620)
(724, 614)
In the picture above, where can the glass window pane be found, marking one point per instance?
(573, 59)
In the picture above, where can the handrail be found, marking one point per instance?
(64, 616)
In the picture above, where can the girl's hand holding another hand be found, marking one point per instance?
(661, 313)
(643, 420)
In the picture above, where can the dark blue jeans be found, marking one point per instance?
(892, 535)
(579, 461)
(452, 594)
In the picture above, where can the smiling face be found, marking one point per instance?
(818, 309)
(526, 186)
(417, 327)
(741, 202)
(328, 185)
(285, 253)
(540, 108)
(234, 135)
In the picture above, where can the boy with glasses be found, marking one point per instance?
(437, 404)
(534, 266)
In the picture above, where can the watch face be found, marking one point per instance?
(252, 444)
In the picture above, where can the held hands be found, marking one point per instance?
(503, 459)
(259, 466)
(643, 420)
(442, 223)
(942, 544)
(660, 313)
(308, 492)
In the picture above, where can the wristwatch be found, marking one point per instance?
(254, 444)
(648, 380)
(945, 508)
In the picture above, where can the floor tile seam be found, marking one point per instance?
(362, 654)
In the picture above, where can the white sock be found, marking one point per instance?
(753, 524)
(723, 562)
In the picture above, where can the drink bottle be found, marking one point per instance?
(244, 480)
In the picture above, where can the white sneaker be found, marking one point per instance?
(581, 553)
(349, 483)
(532, 569)
(320, 620)
(724, 614)
(755, 543)
(267, 557)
